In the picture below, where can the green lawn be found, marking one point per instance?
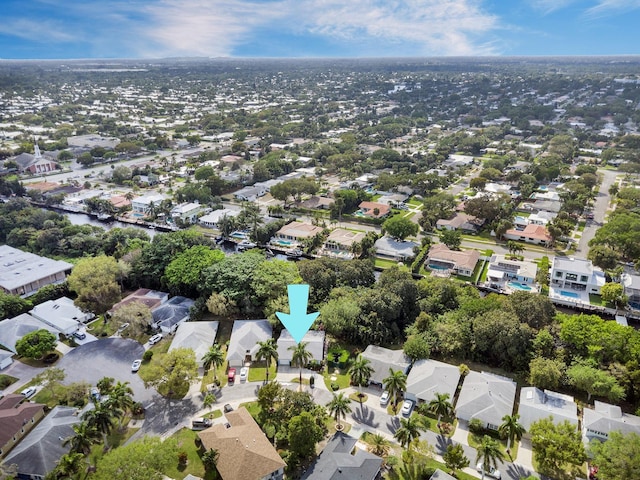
(114, 440)
(252, 407)
(342, 379)
(186, 440)
(258, 370)
(6, 380)
(384, 263)
(474, 440)
(415, 202)
(597, 300)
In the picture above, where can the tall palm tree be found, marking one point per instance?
(378, 445)
(120, 399)
(488, 453)
(213, 358)
(512, 429)
(409, 430)
(441, 406)
(360, 372)
(395, 383)
(268, 352)
(101, 419)
(301, 356)
(339, 406)
(83, 437)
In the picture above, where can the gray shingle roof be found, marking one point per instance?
(382, 359)
(487, 397)
(13, 329)
(199, 336)
(536, 404)
(428, 377)
(245, 337)
(315, 345)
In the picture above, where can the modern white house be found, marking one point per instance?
(536, 404)
(487, 397)
(211, 220)
(631, 284)
(142, 205)
(510, 274)
(429, 377)
(576, 274)
(387, 247)
(186, 212)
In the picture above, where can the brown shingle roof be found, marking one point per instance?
(13, 415)
(245, 453)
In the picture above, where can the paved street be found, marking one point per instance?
(599, 211)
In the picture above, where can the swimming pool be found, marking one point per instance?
(438, 267)
(283, 242)
(519, 286)
(240, 235)
(569, 294)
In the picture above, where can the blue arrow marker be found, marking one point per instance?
(298, 321)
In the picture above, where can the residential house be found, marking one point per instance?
(243, 344)
(150, 298)
(211, 220)
(13, 329)
(341, 459)
(23, 273)
(487, 397)
(35, 164)
(540, 218)
(144, 204)
(442, 258)
(295, 233)
(576, 274)
(171, 313)
(198, 336)
(382, 359)
(394, 200)
(537, 206)
(600, 421)
(340, 242)
(534, 234)
(6, 359)
(244, 452)
(390, 248)
(186, 213)
(61, 314)
(17, 418)
(315, 345)
(440, 475)
(631, 284)
(504, 272)
(536, 404)
(374, 209)
(428, 377)
(318, 203)
(250, 194)
(39, 451)
(458, 161)
(461, 221)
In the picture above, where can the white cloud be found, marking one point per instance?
(32, 30)
(611, 7)
(217, 27)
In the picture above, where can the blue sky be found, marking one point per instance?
(39, 29)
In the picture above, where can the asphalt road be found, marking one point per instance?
(600, 207)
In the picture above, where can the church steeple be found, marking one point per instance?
(37, 155)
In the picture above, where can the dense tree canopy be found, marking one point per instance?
(95, 281)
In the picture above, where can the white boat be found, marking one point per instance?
(246, 244)
(296, 252)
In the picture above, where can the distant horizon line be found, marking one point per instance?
(483, 57)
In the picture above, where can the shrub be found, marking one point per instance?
(334, 386)
(148, 355)
(183, 458)
(476, 426)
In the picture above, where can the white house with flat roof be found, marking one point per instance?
(513, 274)
(143, 204)
(23, 273)
(576, 274)
(186, 212)
(387, 247)
(631, 284)
(536, 404)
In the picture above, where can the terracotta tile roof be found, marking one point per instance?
(245, 453)
(539, 232)
(368, 208)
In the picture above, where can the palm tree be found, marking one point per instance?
(101, 420)
(213, 358)
(120, 399)
(301, 356)
(395, 383)
(489, 454)
(68, 465)
(268, 352)
(360, 372)
(209, 400)
(408, 431)
(339, 406)
(441, 406)
(210, 459)
(512, 429)
(378, 445)
(83, 437)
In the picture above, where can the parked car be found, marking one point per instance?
(227, 408)
(244, 373)
(135, 366)
(231, 375)
(492, 472)
(122, 327)
(201, 423)
(79, 335)
(407, 407)
(384, 398)
(95, 394)
(29, 392)
(155, 339)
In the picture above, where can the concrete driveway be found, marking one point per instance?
(109, 357)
